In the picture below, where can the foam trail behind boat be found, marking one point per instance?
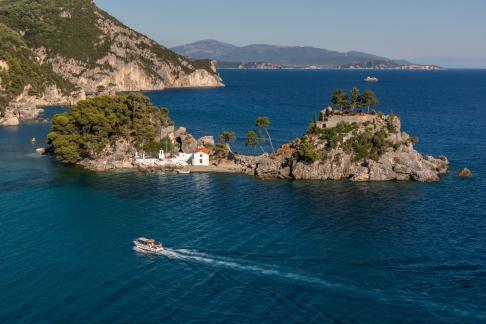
(195, 256)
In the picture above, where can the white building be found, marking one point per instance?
(201, 157)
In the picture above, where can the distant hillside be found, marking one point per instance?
(61, 51)
(282, 55)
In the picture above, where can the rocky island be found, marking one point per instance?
(127, 131)
(59, 52)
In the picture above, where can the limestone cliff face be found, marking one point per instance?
(82, 52)
(133, 62)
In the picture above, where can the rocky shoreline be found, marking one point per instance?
(414, 167)
(398, 161)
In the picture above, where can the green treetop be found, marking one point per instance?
(253, 140)
(355, 101)
(225, 138)
(368, 99)
(339, 99)
(263, 123)
(93, 125)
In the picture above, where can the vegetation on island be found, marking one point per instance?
(305, 151)
(354, 101)
(222, 150)
(361, 141)
(93, 126)
(259, 136)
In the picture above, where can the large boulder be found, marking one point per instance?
(380, 171)
(121, 151)
(167, 131)
(180, 131)
(424, 175)
(465, 173)
(25, 110)
(272, 168)
(187, 143)
(360, 173)
(9, 121)
(9, 118)
(311, 171)
(184, 141)
(207, 141)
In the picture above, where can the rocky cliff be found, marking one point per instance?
(112, 132)
(62, 51)
(358, 147)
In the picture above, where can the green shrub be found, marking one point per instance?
(221, 151)
(389, 124)
(305, 152)
(334, 136)
(368, 145)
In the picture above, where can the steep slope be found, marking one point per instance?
(21, 74)
(78, 50)
(287, 55)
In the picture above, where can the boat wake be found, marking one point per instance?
(267, 270)
(196, 256)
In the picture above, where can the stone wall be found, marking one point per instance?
(331, 121)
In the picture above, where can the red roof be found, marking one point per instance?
(204, 150)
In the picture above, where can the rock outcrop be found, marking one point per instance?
(359, 147)
(390, 155)
(465, 173)
(207, 141)
(10, 118)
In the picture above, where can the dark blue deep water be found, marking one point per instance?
(245, 250)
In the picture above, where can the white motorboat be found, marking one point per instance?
(146, 245)
(371, 79)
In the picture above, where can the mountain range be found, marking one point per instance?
(285, 56)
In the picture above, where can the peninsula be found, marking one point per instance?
(343, 142)
(59, 52)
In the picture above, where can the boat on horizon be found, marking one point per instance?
(145, 245)
(371, 79)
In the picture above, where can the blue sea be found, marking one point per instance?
(251, 251)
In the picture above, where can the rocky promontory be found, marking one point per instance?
(114, 132)
(354, 146)
(60, 52)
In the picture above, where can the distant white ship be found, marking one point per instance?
(371, 79)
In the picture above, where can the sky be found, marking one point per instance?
(450, 33)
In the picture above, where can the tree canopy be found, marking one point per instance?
(262, 124)
(355, 101)
(227, 137)
(91, 126)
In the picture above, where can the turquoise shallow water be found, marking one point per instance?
(245, 250)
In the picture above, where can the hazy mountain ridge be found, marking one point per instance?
(282, 55)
